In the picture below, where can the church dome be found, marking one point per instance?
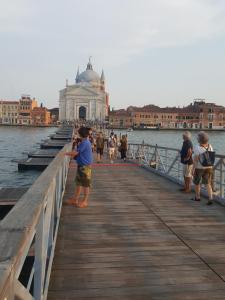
(88, 76)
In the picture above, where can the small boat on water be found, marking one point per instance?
(130, 129)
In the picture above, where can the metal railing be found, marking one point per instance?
(165, 161)
(28, 235)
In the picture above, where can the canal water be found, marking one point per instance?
(16, 142)
(173, 138)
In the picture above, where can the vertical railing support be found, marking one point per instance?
(166, 160)
(221, 179)
(38, 260)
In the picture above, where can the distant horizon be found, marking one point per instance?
(145, 56)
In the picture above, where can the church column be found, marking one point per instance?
(62, 110)
(75, 111)
(93, 109)
(89, 117)
(71, 110)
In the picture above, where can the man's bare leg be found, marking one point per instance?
(75, 199)
(84, 202)
(197, 191)
(77, 194)
(188, 184)
(210, 193)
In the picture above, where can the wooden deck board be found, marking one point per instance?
(140, 238)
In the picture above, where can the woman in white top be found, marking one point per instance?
(201, 174)
(111, 145)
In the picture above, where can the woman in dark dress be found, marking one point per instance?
(123, 147)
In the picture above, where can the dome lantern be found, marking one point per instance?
(89, 65)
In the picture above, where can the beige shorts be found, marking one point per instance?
(111, 151)
(187, 170)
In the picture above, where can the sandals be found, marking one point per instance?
(71, 201)
(196, 199)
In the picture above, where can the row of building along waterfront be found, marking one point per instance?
(26, 112)
(197, 115)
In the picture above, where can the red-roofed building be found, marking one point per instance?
(197, 115)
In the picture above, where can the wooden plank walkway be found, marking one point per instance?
(140, 239)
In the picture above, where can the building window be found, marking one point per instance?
(210, 117)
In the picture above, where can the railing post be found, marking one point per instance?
(38, 260)
(166, 160)
(178, 171)
(221, 179)
(156, 156)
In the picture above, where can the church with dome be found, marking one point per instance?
(86, 99)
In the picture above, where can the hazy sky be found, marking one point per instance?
(164, 52)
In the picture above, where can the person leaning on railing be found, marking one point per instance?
(204, 158)
(84, 158)
(187, 161)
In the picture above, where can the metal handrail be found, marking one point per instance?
(29, 231)
(165, 161)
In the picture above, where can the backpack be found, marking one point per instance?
(207, 158)
(111, 143)
(100, 142)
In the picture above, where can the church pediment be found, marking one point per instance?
(82, 91)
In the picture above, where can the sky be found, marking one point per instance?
(162, 52)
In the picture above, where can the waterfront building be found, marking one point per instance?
(9, 112)
(197, 115)
(54, 113)
(121, 119)
(26, 105)
(86, 99)
(40, 116)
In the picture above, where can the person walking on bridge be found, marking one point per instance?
(187, 161)
(84, 159)
(100, 146)
(123, 147)
(111, 147)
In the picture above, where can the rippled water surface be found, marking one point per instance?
(15, 142)
(173, 138)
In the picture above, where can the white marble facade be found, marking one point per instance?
(86, 99)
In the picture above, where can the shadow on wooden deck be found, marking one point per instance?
(140, 238)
